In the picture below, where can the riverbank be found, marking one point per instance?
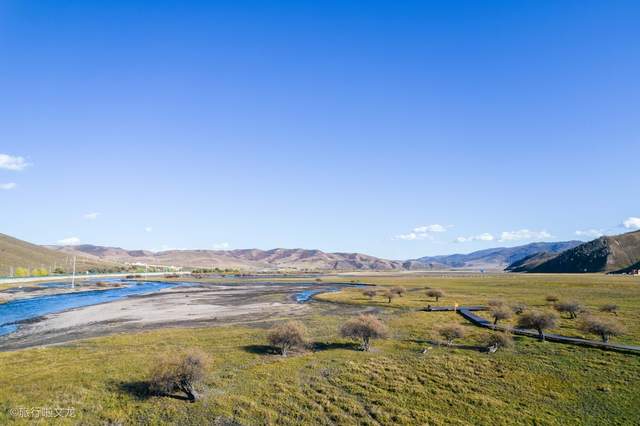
(192, 305)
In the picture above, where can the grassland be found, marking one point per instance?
(534, 383)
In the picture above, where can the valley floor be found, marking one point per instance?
(404, 380)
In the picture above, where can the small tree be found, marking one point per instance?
(610, 308)
(500, 313)
(571, 308)
(435, 293)
(603, 327)
(287, 336)
(390, 295)
(369, 293)
(495, 341)
(179, 374)
(400, 291)
(538, 320)
(519, 308)
(551, 298)
(451, 332)
(364, 328)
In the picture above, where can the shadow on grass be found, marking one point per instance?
(261, 350)
(140, 390)
(328, 346)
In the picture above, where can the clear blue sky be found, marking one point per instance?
(390, 128)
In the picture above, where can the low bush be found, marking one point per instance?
(603, 327)
(435, 293)
(571, 308)
(451, 332)
(179, 373)
(610, 308)
(364, 328)
(495, 341)
(287, 336)
(538, 320)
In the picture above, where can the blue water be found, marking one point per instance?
(23, 309)
(306, 295)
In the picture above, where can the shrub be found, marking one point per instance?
(519, 308)
(400, 291)
(500, 313)
(494, 303)
(451, 332)
(571, 308)
(179, 374)
(287, 336)
(369, 293)
(390, 295)
(435, 293)
(538, 320)
(495, 341)
(39, 272)
(603, 327)
(610, 308)
(58, 271)
(551, 298)
(364, 328)
(22, 272)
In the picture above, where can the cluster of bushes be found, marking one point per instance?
(541, 320)
(393, 292)
(388, 294)
(35, 272)
(293, 334)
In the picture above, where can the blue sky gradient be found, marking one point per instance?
(341, 126)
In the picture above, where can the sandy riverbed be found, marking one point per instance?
(174, 307)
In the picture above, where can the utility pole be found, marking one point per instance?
(73, 277)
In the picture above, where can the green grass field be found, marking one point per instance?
(534, 383)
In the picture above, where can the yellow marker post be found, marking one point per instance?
(455, 307)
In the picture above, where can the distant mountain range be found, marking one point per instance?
(247, 259)
(489, 259)
(607, 254)
(618, 253)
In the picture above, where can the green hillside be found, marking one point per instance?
(15, 253)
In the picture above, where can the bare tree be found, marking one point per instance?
(538, 320)
(518, 308)
(364, 328)
(450, 332)
(369, 293)
(390, 295)
(495, 341)
(287, 336)
(500, 313)
(610, 308)
(435, 293)
(179, 373)
(571, 308)
(551, 298)
(603, 327)
(400, 291)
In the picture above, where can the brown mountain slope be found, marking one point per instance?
(605, 254)
(246, 259)
(15, 253)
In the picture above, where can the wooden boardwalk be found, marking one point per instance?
(467, 313)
